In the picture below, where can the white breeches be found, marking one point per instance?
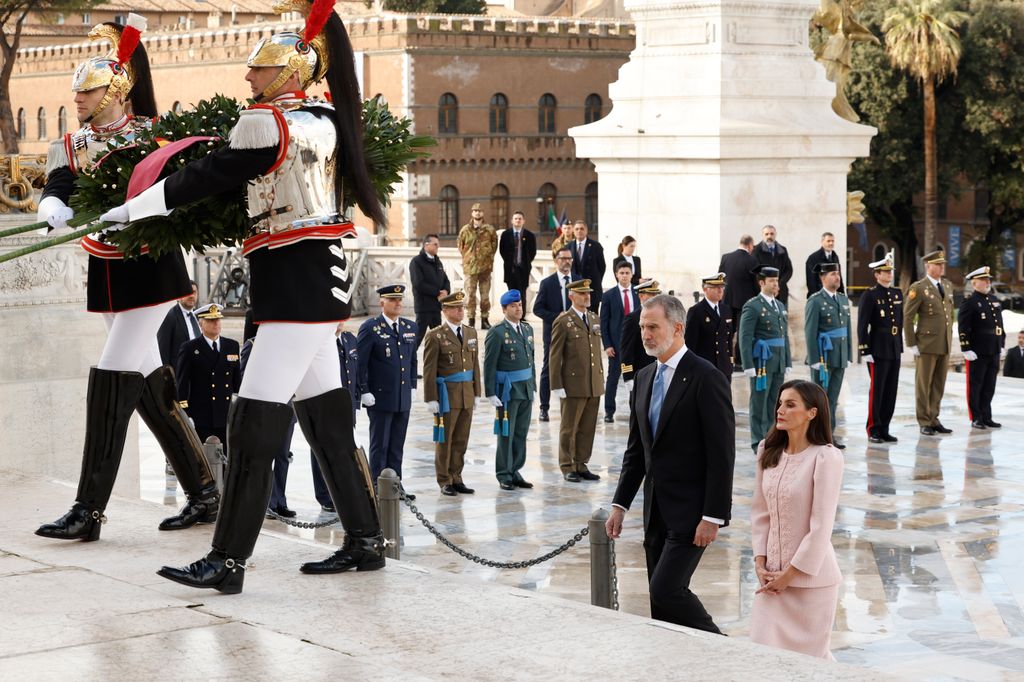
(131, 340)
(292, 359)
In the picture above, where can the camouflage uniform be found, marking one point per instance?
(478, 246)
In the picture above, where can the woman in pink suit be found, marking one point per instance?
(799, 475)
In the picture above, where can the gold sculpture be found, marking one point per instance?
(837, 17)
(854, 207)
(20, 175)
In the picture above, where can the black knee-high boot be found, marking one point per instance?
(256, 431)
(109, 405)
(326, 422)
(159, 408)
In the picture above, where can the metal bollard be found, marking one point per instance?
(213, 450)
(600, 561)
(390, 511)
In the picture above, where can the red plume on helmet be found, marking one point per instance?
(319, 13)
(131, 34)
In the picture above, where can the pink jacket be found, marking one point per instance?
(793, 511)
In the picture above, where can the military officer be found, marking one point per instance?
(478, 242)
(386, 346)
(983, 341)
(509, 384)
(208, 375)
(451, 383)
(577, 377)
(879, 321)
(709, 326)
(764, 350)
(634, 357)
(828, 331)
(928, 334)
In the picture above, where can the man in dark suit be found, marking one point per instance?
(429, 285)
(633, 357)
(773, 254)
(552, 300)
(179, 326)
(518, 248)
(709, 326)
(682, 446)
(1013, 366)
(587, 259)
(741, 284)
(826, 254)
(348, 359)
(616, 304)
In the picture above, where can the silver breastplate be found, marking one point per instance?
(300, 193)
(87, 146)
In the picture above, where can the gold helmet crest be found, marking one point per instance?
(112, 70)
(305, 54)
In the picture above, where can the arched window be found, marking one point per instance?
(41, 123)
(177, 108)
(448, 114)
(592, 109)
(548, 195)
(22, 124)
(590, 206)
(499, 206)
(449, 210)
(62, 122)
(499, 113)
(546, 107)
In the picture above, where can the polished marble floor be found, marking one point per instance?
(927, 531)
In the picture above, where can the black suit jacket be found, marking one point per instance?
(207, 380)
(428, 279)
(613, 315)
(813, 278)
(637, 272)
(780, 259)
(709, 335)
(172, 333)
(688, 464)
(507, 249)
(592, 266)
(549, 303)
(740, 283)
(1014, 364)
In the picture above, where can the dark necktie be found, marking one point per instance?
(214, 346)
(458, 333)
(565, 293)
(519, 249)
(195, 325)
(942, 292)
(717, 314)
(586, 321)
(395, 327)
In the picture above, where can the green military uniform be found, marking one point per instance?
(827, 323)
(764, 328)
(446, 355)
(508, 350)
(928, 325)
(478, 246)
(576, 365)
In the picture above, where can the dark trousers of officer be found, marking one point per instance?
(611, 384)
(281, 462)
(671, 562)
(387, 441)
(762, 406)
(545, 377)
(520, 279)
(425, 322)
(835, 384)
(734, 338)
(885, 379)
(981, 386)
(511, 453)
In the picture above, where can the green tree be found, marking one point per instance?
(463, 7)
(435, 6)
(921, 39)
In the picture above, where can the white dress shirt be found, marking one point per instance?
(210, 342)
(189, 316)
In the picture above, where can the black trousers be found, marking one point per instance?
(981, 386)
(885, 380)
(426, 322)
(281, 462)
(735, 337)
(611, 384)
(671, 561)
(520, 279)
(545, 377)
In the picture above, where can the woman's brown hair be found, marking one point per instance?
(819, 431)
(626, 241)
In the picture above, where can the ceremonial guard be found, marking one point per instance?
(879, 324)
(348, 358)
(709, 326)
(478, 242)
(634, 356)
(928, 334)
(764, 350)
(451, 384)
(293, 155)
(114, 96)
(509, 384)
(577, 377)
(983, 341)
(387, 377)
(828, 330)
(207, 370)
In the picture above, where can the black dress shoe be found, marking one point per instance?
(203, 510)
(484, 324)
(505, 485)
(992, 425)
(839, 446)
(449, 491)
(544, 416)
(939, 428)
(572, 477)
(889, 438)
(588, 475)
(360, 553)
(523, 484)
(462, 488)
(328, 508)
(214, 571)
(875, 439)
(978, 424)
(608, 419)
(927, 431)
(81, 523)
(283, 511)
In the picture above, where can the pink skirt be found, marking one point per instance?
(799, 619)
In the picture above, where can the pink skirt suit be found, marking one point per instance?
(791, 519)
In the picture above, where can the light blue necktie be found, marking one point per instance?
(657, 398)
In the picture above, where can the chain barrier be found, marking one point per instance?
(309, 525)
(615, 576)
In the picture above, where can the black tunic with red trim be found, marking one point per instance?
(115, 283)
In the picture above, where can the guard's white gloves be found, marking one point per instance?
(629, 385)
(434, 406)
(1002, 352)
(970, 355)
(118, 214)
(494, 400)
(868, 359)
(368, 400)
(750, 372)
(56, 214)
(816, 365)
(913, 351)
(558, 393)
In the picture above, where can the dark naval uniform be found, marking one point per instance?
(829, 334)
(980, 321)
(387, 369)
(764, 347)
(634, 357)
(708, 334)
(510, 374)
(879, 327)
(206, 381)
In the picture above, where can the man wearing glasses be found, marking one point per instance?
(552, 300)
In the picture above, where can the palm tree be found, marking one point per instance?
(921, 39)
